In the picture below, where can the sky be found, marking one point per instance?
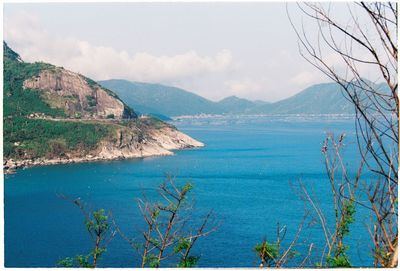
(212, 49)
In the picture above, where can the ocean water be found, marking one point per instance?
(246, 173)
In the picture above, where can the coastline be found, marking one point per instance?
(10, 165)
(158, 142)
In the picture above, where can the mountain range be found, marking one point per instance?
(161, 100)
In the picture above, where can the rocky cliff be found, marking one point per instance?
(77, 95)
(145, 139)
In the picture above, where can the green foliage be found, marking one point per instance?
(155, 242)
(152, 260)
(66, 262)
(186, 188)
(83, 261)
(99, 223)
(129, 113)
(19, 101)
(348, 217)
(90, 82)
(181, 245)
(110, 116)
(340, 258)
(190, 261)
(98, 227)
(318, 265)
(22, 102)
(155, 213)
(150, 121)
(169, 232)
(58, 147)
(37, 138)
(91, 101)
(10, 54)
(338, 261)
(267, 252)
(97, 252)
(271, 254)
(77, 261)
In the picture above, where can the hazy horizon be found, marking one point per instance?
(214, 50)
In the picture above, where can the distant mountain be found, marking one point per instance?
(260, 102)
(324, 98)
(145, 110)
(160, 99)
(233, 104)
(156, 99)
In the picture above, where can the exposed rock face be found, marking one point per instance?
(72, 92)
(153, 142)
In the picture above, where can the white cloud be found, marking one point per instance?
(245, 88)
(24, 33)
(305, 78)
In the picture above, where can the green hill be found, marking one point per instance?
(160, 99)
(233, 104)
(28, 132)
(171, 101)
(324, 98)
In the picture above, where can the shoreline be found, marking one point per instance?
(10, 166)
(156, 142)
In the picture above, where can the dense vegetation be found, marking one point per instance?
(17, 101)
(30, 138)
(33, 138)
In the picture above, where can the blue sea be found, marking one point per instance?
(247, 174)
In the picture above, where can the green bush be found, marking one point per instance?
(91, 101)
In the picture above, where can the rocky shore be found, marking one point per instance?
(157, 142)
